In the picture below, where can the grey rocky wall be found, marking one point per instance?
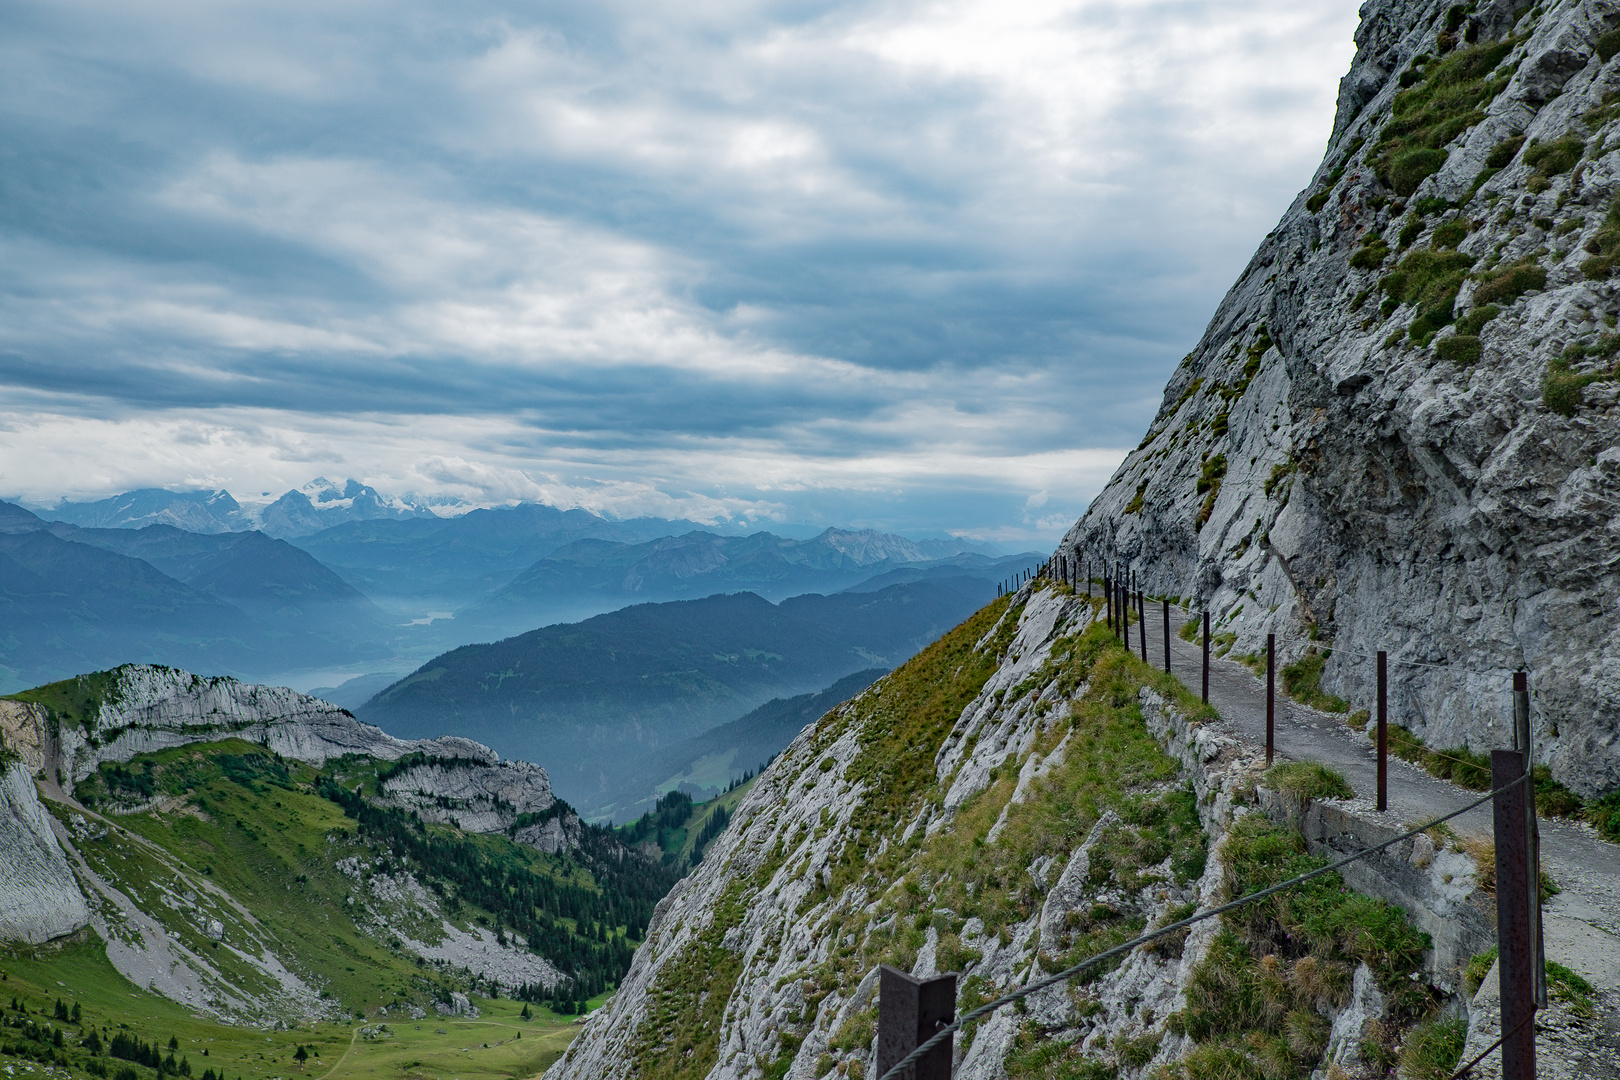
(1378, 494)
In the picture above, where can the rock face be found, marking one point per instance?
(478, 797)
(1399, 431)
(39, 898)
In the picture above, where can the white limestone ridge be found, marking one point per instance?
(149, 708)
(39, 898)
(1339, 461)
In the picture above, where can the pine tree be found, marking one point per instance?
(301, 1055)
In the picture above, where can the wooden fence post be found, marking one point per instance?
(1514, 939)
(910, 1011)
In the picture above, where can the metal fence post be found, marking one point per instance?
(1525, 737)
(1383, 730)
(1125, 613)
(910, 1011)
(1514, 941)
(1206, 658)
(1271, 696)
(1141, 621)
(1167, 635)
(1108, 600)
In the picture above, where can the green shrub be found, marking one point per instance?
(1604, 247)
(1473, 322)
(1607, 45)
(1452, 233)
(1319, 200)
(1428, 114)
(1309, 780)
(1302, 680)
(1503, 153)
(1568, 986)
(1372, 256)
(1556, 157)
(1507, 284)
(1189, 632)
(1410, 231)
(1428, 280)
(1561, 388)
(1478, 967)
(1409, 168)
(1459, 349)
(1431, 1050)
(1603, 814)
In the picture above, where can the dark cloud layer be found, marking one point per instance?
(923, 265)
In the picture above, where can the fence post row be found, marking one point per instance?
(1125, 613)
(910, 1011)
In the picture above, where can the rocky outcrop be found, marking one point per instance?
(450, 780)
(1399, 430)
(474, 796)
(39, 898)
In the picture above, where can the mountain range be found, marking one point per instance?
(584, 697)
(179, 578)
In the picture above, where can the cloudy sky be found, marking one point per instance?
(918, 265)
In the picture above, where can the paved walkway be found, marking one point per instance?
(1585, 867)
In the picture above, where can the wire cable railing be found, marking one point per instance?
(945, 1032)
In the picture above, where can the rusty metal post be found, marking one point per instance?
(1383, 730)
(1167, 635)
(1271, 697)
(1108, 600)
(1141, 621)
(910, 1011)
(1206, 658)
(1524, 738)
(1514, 939)
(1125, 613)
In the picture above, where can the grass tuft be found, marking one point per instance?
(1309, 781)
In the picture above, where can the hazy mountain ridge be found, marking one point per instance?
(705, 764)
(78, 599)
(580, 696)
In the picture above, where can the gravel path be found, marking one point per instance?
(1584, 866)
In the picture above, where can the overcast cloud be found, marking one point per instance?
(923, 266)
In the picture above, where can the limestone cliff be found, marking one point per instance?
(39, 898)
(1399, 430)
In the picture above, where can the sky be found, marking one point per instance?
(921, 266)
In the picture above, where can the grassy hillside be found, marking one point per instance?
(497, 1045)
(225, 828)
